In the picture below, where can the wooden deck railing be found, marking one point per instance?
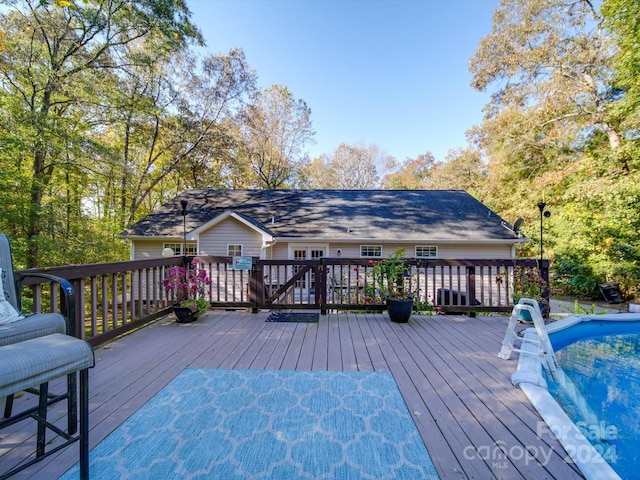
(113, 298)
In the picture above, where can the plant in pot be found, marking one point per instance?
(528, 283)
(392, 281)
(188, 286)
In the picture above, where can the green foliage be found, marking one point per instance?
(574, 276)
(580, 310)
(389, 276)
(429, 308)
(528, 283)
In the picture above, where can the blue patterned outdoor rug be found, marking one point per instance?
(256, 424)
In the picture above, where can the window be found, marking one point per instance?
(234, 250)
(426, 251)
(192, 248)
(371, 251)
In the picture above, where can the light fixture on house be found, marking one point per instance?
(168, 252)
(338, 252)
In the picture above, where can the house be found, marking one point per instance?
(307, 224)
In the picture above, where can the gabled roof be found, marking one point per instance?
(400, 215)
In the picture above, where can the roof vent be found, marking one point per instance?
(273, 219)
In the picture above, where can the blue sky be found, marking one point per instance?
(393, 73)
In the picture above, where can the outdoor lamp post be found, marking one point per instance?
(184, 204)
(546, 214)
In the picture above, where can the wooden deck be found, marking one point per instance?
(474, 423)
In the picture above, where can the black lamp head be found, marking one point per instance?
(184, 204)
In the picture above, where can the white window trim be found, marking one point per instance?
(371, 256)
(178, 251)
(435, 247)
(235, 245)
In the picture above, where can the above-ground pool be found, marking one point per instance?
(591, 403)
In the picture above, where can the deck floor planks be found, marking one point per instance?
(354, 356)
(502, 400)
(471, 407)
(292, 355)
(335, 349)
(374, 351)
(422, 401)
(321, 350)
(439, 400)
(305, 360)
(457, 391)
(269, 347)
(280, 350)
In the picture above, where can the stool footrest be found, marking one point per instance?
(36, 362)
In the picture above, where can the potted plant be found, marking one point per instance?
(390, 279)
(188, 286)
(529, 284)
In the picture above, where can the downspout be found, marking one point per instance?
(265, 246)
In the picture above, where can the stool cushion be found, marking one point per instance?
(32, 326)
(39, 360)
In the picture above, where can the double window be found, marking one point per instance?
(371, 251)
(426, 251)
(192, 248)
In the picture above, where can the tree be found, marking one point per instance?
(622, 18)
(52, 64)
(550, 64)
(177, 124)
(461, 170)
(559, 123)
(350, 167)
(274, 130)
(411, 174)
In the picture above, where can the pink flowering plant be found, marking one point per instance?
(189, 286)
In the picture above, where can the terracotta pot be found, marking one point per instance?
(399, 310)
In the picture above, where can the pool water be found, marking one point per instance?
(605, 369)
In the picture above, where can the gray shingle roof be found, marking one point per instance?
(450, 215)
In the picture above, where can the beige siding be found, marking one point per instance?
(143, 249)
(230, 231)
(280, 251)
(489, 252)
(214, 242)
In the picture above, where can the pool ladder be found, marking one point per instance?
(547, 354)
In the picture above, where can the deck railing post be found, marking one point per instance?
(471, 288)
(256, 285)
(321, 286)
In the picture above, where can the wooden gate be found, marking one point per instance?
(290, 284)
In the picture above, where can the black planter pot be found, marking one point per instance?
(183, 314)
(399, 310)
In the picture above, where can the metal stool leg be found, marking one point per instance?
(72, 403)
(84, 424)
(43, 402)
